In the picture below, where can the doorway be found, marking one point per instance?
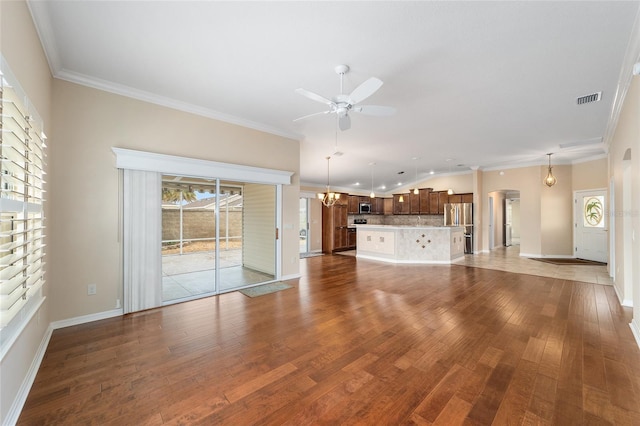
(590, 224)
(303, 227)
(512, 219)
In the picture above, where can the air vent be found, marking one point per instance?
(594, 97)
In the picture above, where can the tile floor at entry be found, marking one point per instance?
(508, 259)
(189, 275)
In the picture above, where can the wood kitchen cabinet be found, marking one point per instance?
(455, 198)
(334, 227)
(414, 202)
(351, 238)
(401, 207)
(467, 198)
(424, 200)
(387, 206)
(437, 200)
(461, 198)
(353, 204)
(377, 205)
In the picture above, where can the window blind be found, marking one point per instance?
(22, 163)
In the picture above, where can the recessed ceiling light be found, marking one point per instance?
(357, 183)
(431, 172)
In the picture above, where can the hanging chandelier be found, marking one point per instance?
(550, 180)
(328, 198)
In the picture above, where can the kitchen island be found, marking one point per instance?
(410, 244)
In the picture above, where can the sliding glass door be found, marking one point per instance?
(217, 236)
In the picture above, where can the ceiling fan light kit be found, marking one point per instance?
(342, 104)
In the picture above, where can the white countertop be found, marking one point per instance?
(405, 226)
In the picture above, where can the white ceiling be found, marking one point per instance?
(475, 84)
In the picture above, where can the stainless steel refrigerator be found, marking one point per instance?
(461, 214)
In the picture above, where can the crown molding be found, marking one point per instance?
(41, 18)
(631, 58)
(141, 95)
(40, 14)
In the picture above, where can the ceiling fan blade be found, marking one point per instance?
(311, 115)
(344, 122)
(314, 96)
(377, 110)
(365, 90)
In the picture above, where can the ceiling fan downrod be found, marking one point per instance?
(341, 70)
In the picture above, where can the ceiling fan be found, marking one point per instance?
(342, 104)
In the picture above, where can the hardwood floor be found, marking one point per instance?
(355, 342)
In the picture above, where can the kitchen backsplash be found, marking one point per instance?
(400, 220)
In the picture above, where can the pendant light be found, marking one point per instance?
(550, 180)
(328, 198)
(372, 194)
(415, 190)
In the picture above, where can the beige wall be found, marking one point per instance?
(496, 223)
(527, 180)
(21, 48)
(590, 174)
(546, 214)
(625, 207)
(556, 213)
(84, 183)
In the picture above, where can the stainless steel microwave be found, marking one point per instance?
(365, 208)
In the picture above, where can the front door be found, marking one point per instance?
(590, 225)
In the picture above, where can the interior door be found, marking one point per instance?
(590, 225)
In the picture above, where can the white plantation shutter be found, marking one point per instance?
(22, 161)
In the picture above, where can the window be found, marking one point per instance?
(22, 161)
(593, 211)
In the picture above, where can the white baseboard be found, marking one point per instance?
(21, 397)
(86, 318)
(547, 256)
(529, 255)
(290, 277)
(635, 329)
(624, 302)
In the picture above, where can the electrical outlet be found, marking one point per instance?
(91, 289)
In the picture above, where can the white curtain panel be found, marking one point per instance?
(142, 240)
